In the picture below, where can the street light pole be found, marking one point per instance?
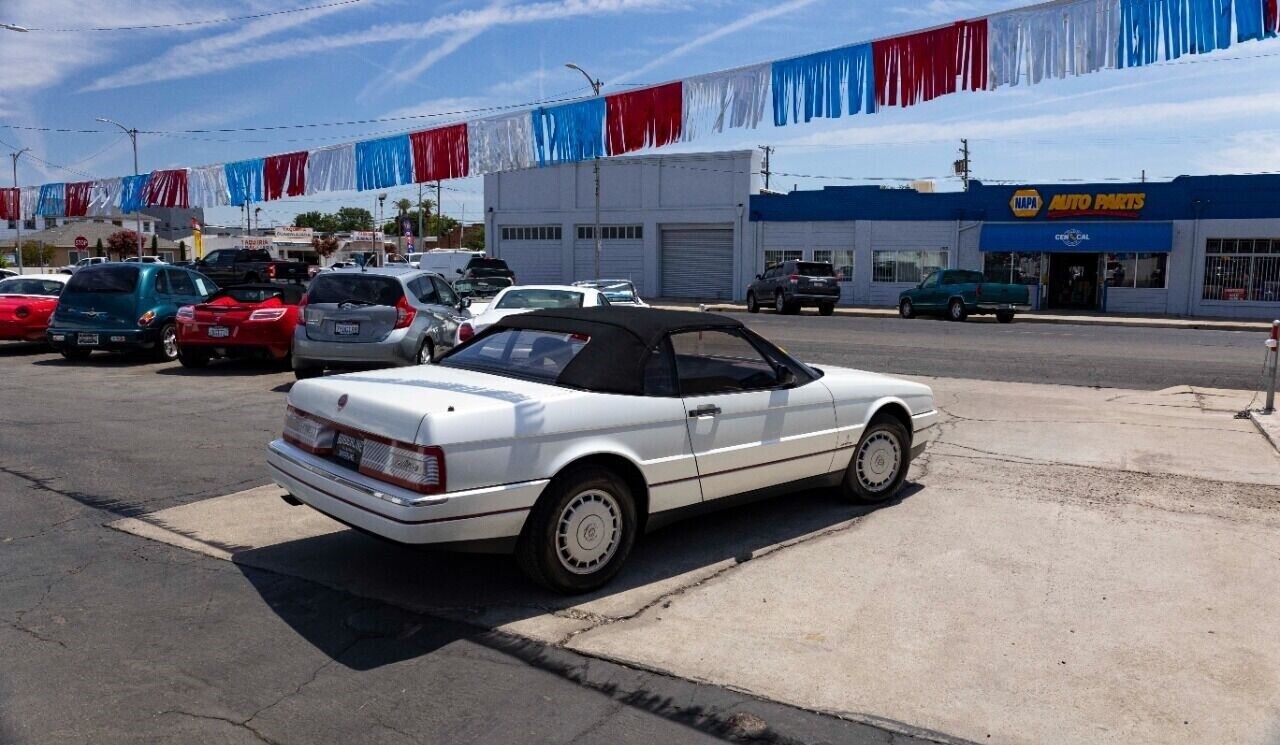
(596, 85)
(17, 242)
(133, 136)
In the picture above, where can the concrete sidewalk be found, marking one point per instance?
(1067, 565)
(1083, 319)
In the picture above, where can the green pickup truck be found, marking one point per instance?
(958, 293)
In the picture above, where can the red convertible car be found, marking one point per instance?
(243, 321)
(26, 302)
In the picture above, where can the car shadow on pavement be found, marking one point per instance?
(23, 348)
(488, 591)
(104, 359)
(238, 368)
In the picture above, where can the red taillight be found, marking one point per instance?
(302, 311)
(404, 313)
(309, 433)
(794, 278)
(187, 313)
(271, 271)
(411, 466)
(465, 332)
(22, 311)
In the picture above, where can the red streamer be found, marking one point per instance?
(284, 175)
(651, 117)
(923, 66)
(440, 153)
(1270, 18)
(10, 204)
(166, 189)
(78, 195)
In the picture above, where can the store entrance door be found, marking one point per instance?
(1073, 281)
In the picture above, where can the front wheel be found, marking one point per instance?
(1004, 316)
(753, 305)
(956, 310)
(906, 309)
(580, 532)
(426, 353)
(827, 309)
(879, 464)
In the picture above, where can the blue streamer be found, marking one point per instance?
(52, 201)
(383, 163)
(244, 181)
(1155, 30)
(131, 192)
(569, 132)
(1249, 21)
(816, 85)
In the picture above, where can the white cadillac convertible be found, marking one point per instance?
(562, 435)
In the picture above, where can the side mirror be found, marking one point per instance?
(457, 271)
(759, 276)
(786, 378)
(464, 302)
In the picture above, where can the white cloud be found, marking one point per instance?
(187, 62)
(1245, 152)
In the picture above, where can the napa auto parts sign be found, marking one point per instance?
(1028, 204)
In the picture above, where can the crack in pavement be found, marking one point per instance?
(227, 720)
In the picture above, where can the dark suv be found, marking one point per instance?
(792, 285)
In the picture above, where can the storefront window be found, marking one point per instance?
(774, 256)
(906, 266)
(1013, 268)
(840, 259)
(1142, 271)
(1242, 269)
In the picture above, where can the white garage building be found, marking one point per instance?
(676, 225)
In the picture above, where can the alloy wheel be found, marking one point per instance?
(878, 460)
(588, 531)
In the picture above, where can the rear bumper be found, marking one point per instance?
(815, 296)
(993, 307)
(924, 432)
(239, 342)
(18, 331)
(486, 514)
(396, 350)
(108, 339)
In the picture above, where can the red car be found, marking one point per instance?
(26, 302)
(244, 321)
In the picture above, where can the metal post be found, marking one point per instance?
(17, 242)
(133, 137)
(596, 85)
(1274, 344)
(422, 237)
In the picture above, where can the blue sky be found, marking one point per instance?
(370, 59)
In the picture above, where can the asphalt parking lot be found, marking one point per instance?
(1069, 565)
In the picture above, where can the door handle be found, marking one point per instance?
(701, 411)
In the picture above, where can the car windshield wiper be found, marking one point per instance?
(355, 304)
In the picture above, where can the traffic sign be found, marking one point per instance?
(81, 242)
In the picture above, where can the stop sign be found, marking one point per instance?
(81, 242)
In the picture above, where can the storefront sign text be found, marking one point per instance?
(1027, 204)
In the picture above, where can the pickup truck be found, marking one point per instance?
(236, 266)
(958, 293)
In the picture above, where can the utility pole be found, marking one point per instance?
(422, 237)
(596, 85)
(17, 242)
(133, 136)
(964, 166)
(768, 150)
(439, 217)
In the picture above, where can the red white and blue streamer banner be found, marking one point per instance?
(1024, 46)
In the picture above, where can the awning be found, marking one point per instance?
(1077, 237)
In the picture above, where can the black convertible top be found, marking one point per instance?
(621, 340)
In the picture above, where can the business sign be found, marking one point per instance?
(289, 234)
(1084, 237)
(1072, 238)
(367, 235)
(1027, 204)
(255, 242)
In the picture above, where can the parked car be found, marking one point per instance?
(523, 299)
(88, 261)
(378, 317)
(239, 266)
(447, 262)
(480, 291)
(415, 259)
(145, 260)
(6, 273)
(26, 303)
(564, 435)
(125, 307)
(482, 266)
(241, 321)
(792, 285)
(619, 291)
(958, 293)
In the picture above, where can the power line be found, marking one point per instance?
(203, 22)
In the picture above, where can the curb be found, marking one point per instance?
(1150, 323)
(1265, 429)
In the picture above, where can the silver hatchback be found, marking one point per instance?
(386, 317)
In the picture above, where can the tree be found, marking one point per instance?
(325, 246)
(345, 220)
(182, 250)
(433, 224)
(122, 243)
(98, 249)
(155, 245)
(35, 253)
(474, 238)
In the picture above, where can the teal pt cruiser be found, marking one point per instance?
(125, 307)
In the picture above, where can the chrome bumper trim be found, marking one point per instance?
(429, 501)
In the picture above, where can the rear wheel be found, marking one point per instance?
(956, 310)
(753, 305)
(75, 354)
(1004, 316)
(879, 463)
(827, 309)
(580, 532)
(167, 346)
(906, 309)
(426, 353)
(779, 304)
(192, 357)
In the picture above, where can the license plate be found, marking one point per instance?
(346, 328)
(349, 448)
(219, 332)
(87, 340)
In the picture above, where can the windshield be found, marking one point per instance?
(540, 299)
(362, 289)
(815, 269)
(521, 353)
(104, 278)
(617, 292)
(481, 286)
(28, 286)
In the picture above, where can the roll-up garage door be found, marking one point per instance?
(697, 263)
(534, 262)
(618, 260)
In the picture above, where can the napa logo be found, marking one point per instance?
(1026, 203)
(1071, 238)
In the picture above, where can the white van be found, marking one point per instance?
(447, 262)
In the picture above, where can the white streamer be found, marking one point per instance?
(207, 187)
(735, 99)
(104, 197)
(1027, 46)
(332, 169)
(502, 143)
(28, 198)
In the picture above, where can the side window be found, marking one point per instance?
(424, 290)
(660, 372)
(162, 283)
(718, 361)
(180, 283)
(447, 295)
(932, 280)
(206, 287)
(212, 257)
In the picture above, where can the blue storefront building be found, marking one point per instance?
(1194, 246)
